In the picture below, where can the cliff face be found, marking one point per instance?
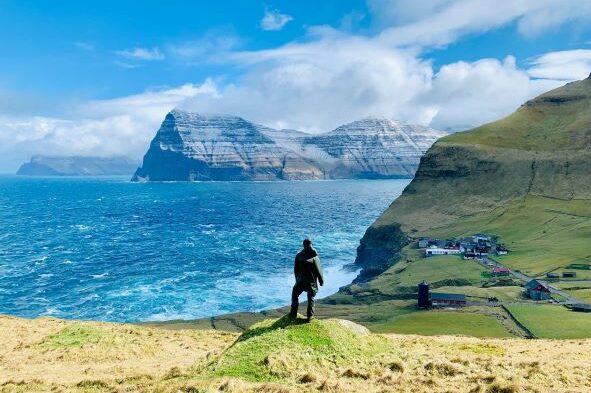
(375, 148)
(77, 166)
(190, 146)
(467, 180)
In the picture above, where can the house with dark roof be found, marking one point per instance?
(537, 290)
(448, 299)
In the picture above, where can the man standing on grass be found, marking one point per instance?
(308, 275)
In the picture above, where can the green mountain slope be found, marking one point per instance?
(526, 178)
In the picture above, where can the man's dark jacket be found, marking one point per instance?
(306, 268)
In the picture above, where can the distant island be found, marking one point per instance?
(41, 165)
(192, 147)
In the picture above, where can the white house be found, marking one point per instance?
(432, 251)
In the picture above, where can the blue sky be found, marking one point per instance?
(80, 77)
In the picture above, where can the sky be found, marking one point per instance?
(97, 78)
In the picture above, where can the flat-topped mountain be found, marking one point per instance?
(374, 148)
(77, 166)
(191, 146)
(526, 178)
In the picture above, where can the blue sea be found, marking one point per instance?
(108, 249)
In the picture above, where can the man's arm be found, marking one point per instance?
(319, 271)
(295, 268)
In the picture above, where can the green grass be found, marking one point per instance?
(476, 293)
(533, 127)
(446, 322)
(275, 349)
(73, 336)
(445, 270)
(552, 321)
(580, 291)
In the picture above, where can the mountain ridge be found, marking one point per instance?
(43, 165)
(193, 146)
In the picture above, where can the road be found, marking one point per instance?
(569, 298)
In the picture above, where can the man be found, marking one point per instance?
(308, 275)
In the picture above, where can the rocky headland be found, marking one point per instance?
(191, 147)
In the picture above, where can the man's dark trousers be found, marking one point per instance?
(298, 288)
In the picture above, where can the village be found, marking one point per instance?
(485, 250)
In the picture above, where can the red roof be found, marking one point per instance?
(500, 269)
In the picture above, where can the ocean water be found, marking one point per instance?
(108, 249)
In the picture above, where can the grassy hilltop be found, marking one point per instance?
(277, 355)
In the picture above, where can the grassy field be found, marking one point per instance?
(430, 323)
(482, 294)
(442, 270)
(279, 356)
(579, 290)
(552, 321)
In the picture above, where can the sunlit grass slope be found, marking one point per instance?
(552, 321)
(559, 119)
(48, 355)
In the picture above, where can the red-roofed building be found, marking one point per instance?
(501, 271)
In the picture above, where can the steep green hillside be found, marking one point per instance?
(526, 178)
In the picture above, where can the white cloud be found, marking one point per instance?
(466, 94)
(326, 79)
(336, 78)
(120, 126)
(563, 65)
(274, 20)
(146, 54)
(441, 22)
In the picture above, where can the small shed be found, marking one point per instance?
(582, 307)
(501, 250)
(423, 242)
(552, 275)
(569, 274)
(448, 299)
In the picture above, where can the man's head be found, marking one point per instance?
(307, 243)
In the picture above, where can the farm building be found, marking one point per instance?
(501, 250)
(537, 290)
(447, 300)
(552, 276)
(569, 274)
(432, 251)
(423, 242)
(582, 307)
(480, 237)
(501, 271)
(469, 255)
